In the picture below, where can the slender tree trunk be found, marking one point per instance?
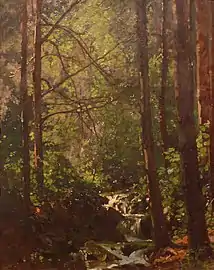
(203, 71)
(193, 54)
(197, 230)
(212, 112)
(25, 105)
(157, 13)
(38, 147)
(161, 237)
(164, 75)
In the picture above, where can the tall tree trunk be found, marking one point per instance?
(203, 73)
(203, 77)
(157, 13)
(164, 75)
(193, 54)
(203, 70)
(212, 112)
(25, 105)
(197, 230)
(161, 237)
(38, 147)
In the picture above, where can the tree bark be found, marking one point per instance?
(197, 230)
(38, 146)
(161, 237)
(212, 111)
(193, 54)
(164, 75)
(25, 105)
(203, 73)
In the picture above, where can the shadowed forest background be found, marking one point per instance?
(106, 134)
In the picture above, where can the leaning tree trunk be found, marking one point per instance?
(38, 147)
(25, 105)
(197, 230)
(161, 237)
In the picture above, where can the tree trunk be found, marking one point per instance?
(203, 72)
(212, 112)
(203, 76)
(161, 237)
(164, 74)
(38, 147)
(193, 54)
(157, 13)
(25, 105)
(197, 230)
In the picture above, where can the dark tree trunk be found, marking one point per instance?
(193, 54)
(203, 72)
(38, 147)
(161, 237)
(164, 75)
(203, 76)
(25, 105)
(197, 230)
(212, 112)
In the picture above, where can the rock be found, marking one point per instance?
(138, 226)
(107, 226)
(146, 227)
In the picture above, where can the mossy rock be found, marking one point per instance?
(97, 250)
(147, 245)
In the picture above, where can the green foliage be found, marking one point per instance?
(90, 119)
(170, 180)
(203, 144)
(80, 209)
(59, 173)
(172, 192)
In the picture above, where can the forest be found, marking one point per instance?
(106, 134)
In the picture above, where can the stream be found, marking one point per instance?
(136, 227)
(116, 256)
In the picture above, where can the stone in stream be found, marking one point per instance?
(139, 226)
(107, 226)
(134, 208)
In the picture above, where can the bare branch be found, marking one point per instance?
(88, 107)
(47, 82)
(83, 46)
(72, 5)
(62, 27)
(75, 110)
(77, 72)
(59, 55)
(92, 121)
(65, 79)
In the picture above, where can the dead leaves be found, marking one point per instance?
(169, 255)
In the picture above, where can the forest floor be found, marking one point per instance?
(177, 259)
(168, 259)
(15, 245)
